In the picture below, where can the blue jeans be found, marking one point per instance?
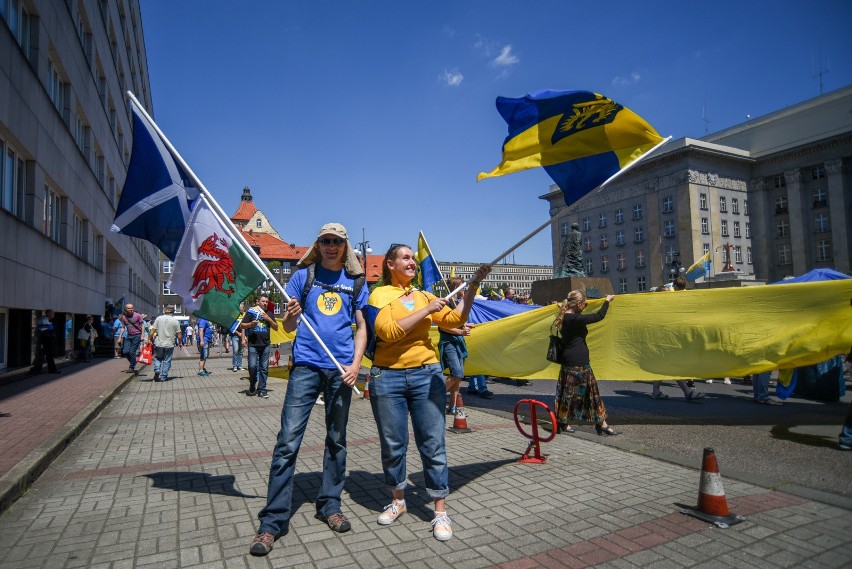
(394, 393)
(760, 386)
(129, 349)
(476, 384)
(304, 386)
(163, 361)
(258, 365)
(846, 430)
(237, 347)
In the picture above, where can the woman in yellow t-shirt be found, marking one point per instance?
(407, 380)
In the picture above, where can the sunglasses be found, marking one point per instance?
(331, 241)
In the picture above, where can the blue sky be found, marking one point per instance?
(380, 114)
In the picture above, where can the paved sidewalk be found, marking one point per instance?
(173, 475)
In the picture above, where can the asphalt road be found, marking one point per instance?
(791, 448)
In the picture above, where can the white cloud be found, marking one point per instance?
(506, 58)
(625, 81)
(452, 78)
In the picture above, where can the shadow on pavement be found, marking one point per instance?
(201, 482)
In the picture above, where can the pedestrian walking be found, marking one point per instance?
(133, 326)
(205, 340)
(238, 340)
(45, 339)
(165, 331)
(256, 324)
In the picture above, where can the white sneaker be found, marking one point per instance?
(320, 400)
(442, 527)
(727, 381)
(392, 512)
(709, 381)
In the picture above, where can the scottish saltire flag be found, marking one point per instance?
(212, 272)
(118, 307)
(579, 137)
(699, 268)
(158, 195)
(430, 273)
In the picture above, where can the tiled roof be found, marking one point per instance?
(244, 212)
(272, 248)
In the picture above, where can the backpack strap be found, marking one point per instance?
(311, 277)
(309, 282)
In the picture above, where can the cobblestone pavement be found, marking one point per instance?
(173, 474)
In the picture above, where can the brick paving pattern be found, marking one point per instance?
(173, 475)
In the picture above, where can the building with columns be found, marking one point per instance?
(775, 191)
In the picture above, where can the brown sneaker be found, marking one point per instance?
(337, 522)
(262, 544)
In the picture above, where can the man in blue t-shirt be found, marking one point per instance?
(205, 337)
(336, 299)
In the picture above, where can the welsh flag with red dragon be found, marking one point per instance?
(212, 272)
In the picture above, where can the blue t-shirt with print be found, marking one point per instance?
(205, 329)
(329, 309)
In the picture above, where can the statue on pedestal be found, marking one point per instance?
(571, 255)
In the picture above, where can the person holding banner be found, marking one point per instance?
(577, 395)
(330, 290)
(453, 351)
(407, 380)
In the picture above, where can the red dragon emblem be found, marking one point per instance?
(214, 270)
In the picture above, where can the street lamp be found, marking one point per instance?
(676, 268)
(363, 248)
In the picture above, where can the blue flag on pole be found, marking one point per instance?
(158, 195)
(699, 268)
(579, 137)
(430, 273)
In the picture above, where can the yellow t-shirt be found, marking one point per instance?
(398, 350)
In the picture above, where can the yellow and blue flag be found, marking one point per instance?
(579, 137)
(700, 268)
(430, 273)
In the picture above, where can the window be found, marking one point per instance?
(723, 204)
(670, 253)
(168, 266)
(622, 285)
(12, 180)
(98, 251)
(668, 204)
(781, 204)
(735, 205)
(702, 201)
(276, 308)
(745, 207)
(258, 223)
(622, 262)
(619, 237)
(587, 224)
(81, 135)
(640, 259)
(818, 173)
(18, 19)
(669, 228)
(737, 229)
(782, 228)
(705, 226)
(637, 211)
(77, 231)
(821, 224)
(604, 243)
(619, 215)
(820, 197)
(587, 244)
(738, 254)
(705, 248)
(55, 86)
(166, 289)
(780, 182)
(564, 228)
(52, 214)
(588, 263)
(748, 230)
(748, 255)
(724, 228)
(604, 264)
(602, 220)
(638, 234)
(823, 250)
(285, 267)
(784, 254)
(641, 285)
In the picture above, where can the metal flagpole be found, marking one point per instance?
(552, 219)
(235, 233)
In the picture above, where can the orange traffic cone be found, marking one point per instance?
(712, 506)
(366, 389)
(460, 418)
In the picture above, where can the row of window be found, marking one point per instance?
(817, 173)
(724, 228)
(823, 252)
(822, 224)
(723, 204)
(671, 254)
(819, 199)
(619, 218)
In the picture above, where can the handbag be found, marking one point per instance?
(82, 334)
(554, 348)
(147, 355)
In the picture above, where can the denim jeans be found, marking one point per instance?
(476, 384)
(237, 347)
(394, 393)
(163, 361)
(846, 430)
(130, 348)
(760, 386)
(258, 365)
(304, 386)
